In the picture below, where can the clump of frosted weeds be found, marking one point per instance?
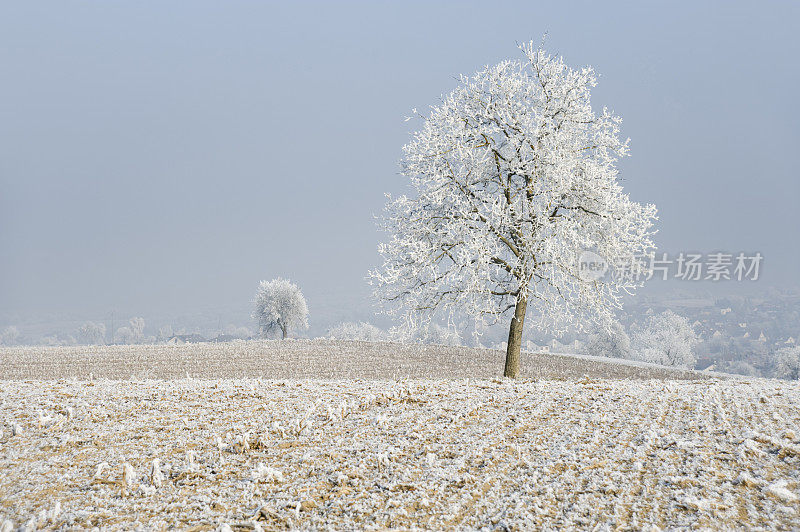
(190, 456)
(383, 460)
(339, 479)
(128, 475)
(55, 511)
(156, 476)
(277, 428)
(264, 473)
(430, 459)
(99, 469)
(242, 444)
(43, 420)
(779, 490)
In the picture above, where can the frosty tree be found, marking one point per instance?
(513, 177)
(137, 328)
(92, 333)
(9, 335)
(165, 333)
(609, 341)
(133, 333)
(666, 339)
(280, 306)
(362, 331)
(787, 364)
(427, 333)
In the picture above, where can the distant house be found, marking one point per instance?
(180, 339)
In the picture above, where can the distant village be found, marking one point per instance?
(738, 334)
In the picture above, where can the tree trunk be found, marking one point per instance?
(283, 331)
(515, 338)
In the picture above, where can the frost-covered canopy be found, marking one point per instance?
(92, 333)
(280, 305)
(608, 341)
(9, 335)
(513, 176)
(788, 363)
(665, 339)
(357, 331)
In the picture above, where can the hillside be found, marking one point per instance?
(313, 359)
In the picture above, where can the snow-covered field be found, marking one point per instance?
(314, 359)
(399, 453)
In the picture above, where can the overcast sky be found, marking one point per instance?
(163, 157)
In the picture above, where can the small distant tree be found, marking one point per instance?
(433, 334)
(356, 331)
(137, 328)
(787, 363)
(514, 179)
(124, 335)
(9, 336)
(280, 306)
(165, 333)
(58, 340)
(611, 341)
(92, 333)
(133, 333)
(740, 367)
(665, 339)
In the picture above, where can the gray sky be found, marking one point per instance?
(161, 158)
